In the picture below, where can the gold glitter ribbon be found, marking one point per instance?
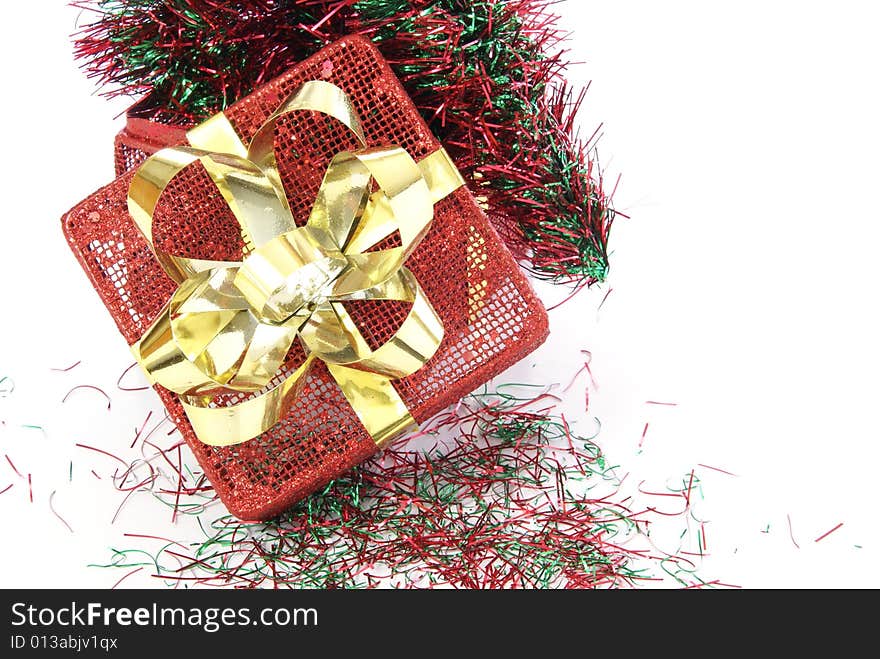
(222, 339)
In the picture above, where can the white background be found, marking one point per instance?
(742, 287)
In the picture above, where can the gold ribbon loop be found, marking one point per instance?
(230, 325)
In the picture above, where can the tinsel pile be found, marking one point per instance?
(498, 492)
(506, 502)
(487, 76)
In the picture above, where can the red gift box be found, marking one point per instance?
(490, 314)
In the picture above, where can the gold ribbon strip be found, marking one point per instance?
(229, 326)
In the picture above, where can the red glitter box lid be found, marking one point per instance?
(491, 316)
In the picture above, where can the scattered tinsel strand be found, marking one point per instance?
(487, 76)
(508, 504)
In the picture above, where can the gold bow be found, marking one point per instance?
(229, 326)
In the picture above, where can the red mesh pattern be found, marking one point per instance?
(126, 154)
(377, 320)
(146, 130)
(491, 317)
(191, 219)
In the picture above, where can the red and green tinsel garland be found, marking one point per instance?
(487, 76)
